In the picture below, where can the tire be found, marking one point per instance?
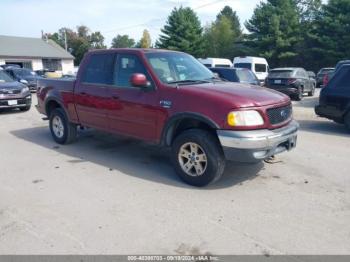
(347, 120)
(24, 109)
(299, 95)
(312, 92)
(62, 131)
(208, 149)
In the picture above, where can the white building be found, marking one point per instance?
(35, 54)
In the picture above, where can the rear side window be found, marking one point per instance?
(280, 74)
(260, 68)
(218, 65)
(99, 69)
(243, 65)
(342, 78)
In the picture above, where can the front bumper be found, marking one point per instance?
(16, 102)
(254, 146)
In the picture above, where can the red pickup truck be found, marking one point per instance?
(169, 98)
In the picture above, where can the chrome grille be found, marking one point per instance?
(280, 114)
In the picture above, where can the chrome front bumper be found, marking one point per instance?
(256, 145)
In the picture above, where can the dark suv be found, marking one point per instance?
(335, 97)
(292, 81)
(321, 74)
(23, 75)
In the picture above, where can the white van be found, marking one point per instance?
(258, 65)
(216, 62)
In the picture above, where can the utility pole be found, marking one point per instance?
(65, 39)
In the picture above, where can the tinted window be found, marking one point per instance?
(243, 65)
(228, 74)
(99, 69)
(218, 65)
(342, 78)
(260, 68)
(127, 65)
(280, 74)
(246, 76)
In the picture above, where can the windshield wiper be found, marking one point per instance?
(190, 81)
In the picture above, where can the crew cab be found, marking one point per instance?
(169, 98)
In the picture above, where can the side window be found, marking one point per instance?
(342, 78)
(99, 69)
(127, 65)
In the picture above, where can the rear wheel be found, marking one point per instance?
(299, 94)
(197, 157)
(23, 109)
(62, 131)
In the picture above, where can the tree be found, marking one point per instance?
(222, 36)
(182, 32)
(122, 41)
(232, 16)
(79, 41)
(145, 41)
(219, 39)
(275, 31)
(331, 39)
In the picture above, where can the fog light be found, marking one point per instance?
(260, 154)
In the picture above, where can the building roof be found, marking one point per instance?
(14, 46)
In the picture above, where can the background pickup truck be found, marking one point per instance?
(170, 99)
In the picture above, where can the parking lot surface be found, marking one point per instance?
(110, 195)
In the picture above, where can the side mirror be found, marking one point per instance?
(139, 80)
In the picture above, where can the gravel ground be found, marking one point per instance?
(107, 195)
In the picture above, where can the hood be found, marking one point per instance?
(30, 78)
(238, 95)
(11, 85)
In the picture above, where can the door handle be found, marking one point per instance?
(83, 93)
(115, 97)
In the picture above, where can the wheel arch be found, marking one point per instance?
(183, 121)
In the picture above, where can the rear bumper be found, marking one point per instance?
(329, 112)
(257, 145)
(16, 102)
(286, 90)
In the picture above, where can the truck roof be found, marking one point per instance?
(140, 50)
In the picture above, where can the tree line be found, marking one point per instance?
(303, 33)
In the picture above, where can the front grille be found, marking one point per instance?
(280, 114)
(10, 91)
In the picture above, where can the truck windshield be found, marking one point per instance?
(4, 77)
(172, 67)
(24, 72)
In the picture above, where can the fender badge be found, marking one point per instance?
(165, 103)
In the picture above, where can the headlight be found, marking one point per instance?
(245, 118)
(25, 89)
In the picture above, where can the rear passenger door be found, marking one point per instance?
(91, 96)
(133, 110)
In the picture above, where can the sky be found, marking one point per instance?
(110, 17)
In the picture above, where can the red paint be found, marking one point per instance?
(138, 112)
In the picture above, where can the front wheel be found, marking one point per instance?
(62, 131)
(312, 92)
(198, 157)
